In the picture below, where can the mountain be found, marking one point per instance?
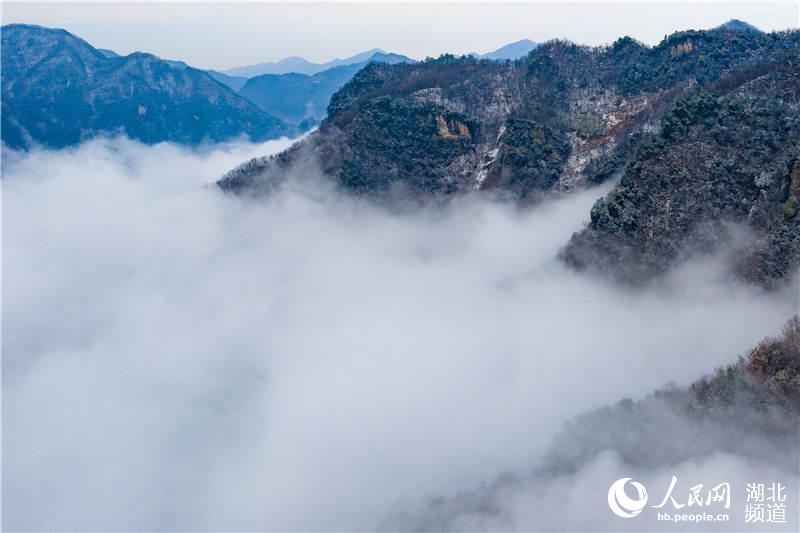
(234, 82)
(724, 157)
(738, 25)
(750, 409)
(699, 128)
(298, 65)
(299, 98)
(284, 66)
(58, 90)
(108, 53)
(510, 51)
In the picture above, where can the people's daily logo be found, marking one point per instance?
(766, 502)
(623, 505)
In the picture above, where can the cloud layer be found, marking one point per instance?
(175, 358)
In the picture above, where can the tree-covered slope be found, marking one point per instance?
(702, 129)
(563, 117)
(726, 156)
(749, 410)
(58, 90)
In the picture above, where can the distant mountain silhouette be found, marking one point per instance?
(299, 65)
(302, 99)
(513, 50)
(108, 53)
(58, 90)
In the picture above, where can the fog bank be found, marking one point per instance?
(175, 358)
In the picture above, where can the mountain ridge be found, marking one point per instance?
(58, 90)
(749, 409)
(510, 51)
(299, 65)
(302, 99)
(564, 118)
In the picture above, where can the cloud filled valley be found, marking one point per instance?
(179, 358)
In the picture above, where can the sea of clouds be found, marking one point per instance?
(177, 358)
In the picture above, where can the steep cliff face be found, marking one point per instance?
(564, 117)
(724, 158)
(58, 90)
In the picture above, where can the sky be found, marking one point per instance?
(225, 35)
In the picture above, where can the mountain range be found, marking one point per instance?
(299, 65)
(302, 99)
(153, 99)
(695, 137)
(699, 132)
(58, 90)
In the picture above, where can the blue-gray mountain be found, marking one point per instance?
(299, 65)
(58, 90)
(702, 129)
(301, 99)
(510, 51)
(738, 25)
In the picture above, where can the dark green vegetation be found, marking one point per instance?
(589, 105)
(702, 129)
(58, 90)
(726, 155)
(750, 409)
(531, 156)
(418, 129)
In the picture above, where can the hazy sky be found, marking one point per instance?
(223, 35)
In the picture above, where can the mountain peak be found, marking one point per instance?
(300, 65)
(738, 25)
(513, 50)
